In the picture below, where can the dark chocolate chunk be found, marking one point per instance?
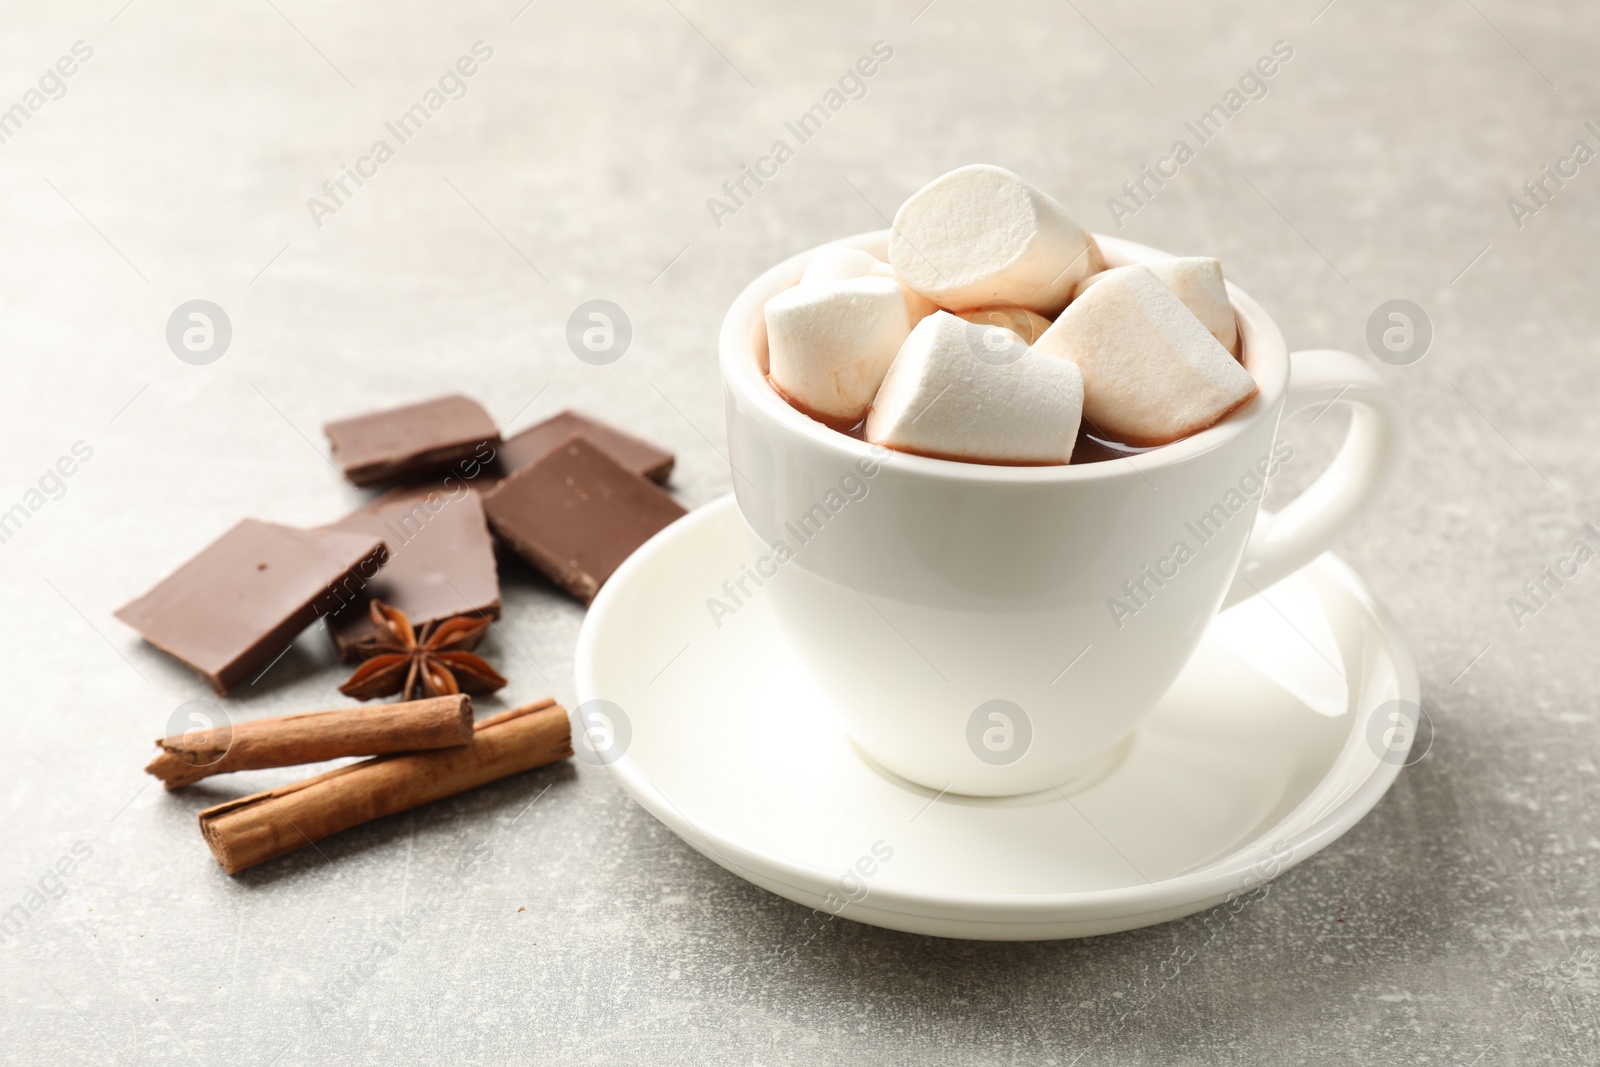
(441, 563)
(640, 457)
(576, 514)
(231, 609)
(408, 442)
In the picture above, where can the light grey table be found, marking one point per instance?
(1456, 925)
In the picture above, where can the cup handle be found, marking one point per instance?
(1284, 541)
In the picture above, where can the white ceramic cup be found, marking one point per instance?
(995, 630)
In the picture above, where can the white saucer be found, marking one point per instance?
(1265, 750)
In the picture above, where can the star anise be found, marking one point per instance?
(436, 663)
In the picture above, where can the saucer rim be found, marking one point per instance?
(1216, 880)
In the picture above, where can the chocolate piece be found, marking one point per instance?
(414, 440)
(231, 609)
(577, 514)
(441, 563)
(640, 457)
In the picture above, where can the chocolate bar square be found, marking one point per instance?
(441, 563)
(406, 443)
(244, 598)
(640, 457)
(577, 513)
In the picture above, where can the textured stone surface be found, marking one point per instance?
(577, 167)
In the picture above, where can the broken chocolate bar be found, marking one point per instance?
(441, 563)
(640, 457)
(577, 513)
(231, 609)
(408, 442)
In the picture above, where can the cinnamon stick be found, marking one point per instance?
(253, 829)
(438, 722)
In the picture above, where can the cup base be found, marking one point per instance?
(1075, 779)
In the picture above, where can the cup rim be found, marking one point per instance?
(743, 369)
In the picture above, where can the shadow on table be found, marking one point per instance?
(1368, 904)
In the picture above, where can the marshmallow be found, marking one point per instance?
(982, 237)
(1152, 373)
(835, 262)
(1020, 321)
(1197, 281)
(829, 344)
(832, 263)
(954, 393)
